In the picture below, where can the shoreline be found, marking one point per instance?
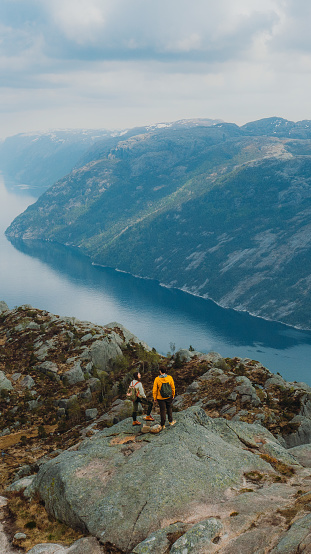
(184, 289)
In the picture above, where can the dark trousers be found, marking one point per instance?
(166, 407)
(142, 401)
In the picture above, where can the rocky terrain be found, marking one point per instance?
(217, 210)
(232, 476)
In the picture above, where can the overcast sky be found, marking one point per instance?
(120, 63)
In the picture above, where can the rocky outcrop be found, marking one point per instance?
(247, 392)
(199, 537)
(303, 433)
(87, 545)
(221, 480)
(3, 306)
(244, 390)
(297, 538)
(88, 348)
(102, 352)
(302, 454)
(161, 540)
(120, 486)
(5, 384)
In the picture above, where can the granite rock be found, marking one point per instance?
(5, 383)
(89, 488)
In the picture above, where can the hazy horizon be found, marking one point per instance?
(103, 64)
(120, 129)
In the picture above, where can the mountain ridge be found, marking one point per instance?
(33, 161)
(214, 210)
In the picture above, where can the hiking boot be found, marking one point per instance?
(162, 427)
(136, 423)
(172, 422)
(148, 418)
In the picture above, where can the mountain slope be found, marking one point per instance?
(34, 161)
(216, 211)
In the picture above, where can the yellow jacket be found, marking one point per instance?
(158, 382)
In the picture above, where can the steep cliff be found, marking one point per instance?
(219, 211)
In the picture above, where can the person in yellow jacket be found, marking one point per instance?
(163, 393)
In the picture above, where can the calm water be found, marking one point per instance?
(64, 282)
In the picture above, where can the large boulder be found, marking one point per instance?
(127, 336)
(253, 436)
(42, 350)
(27, 382)
(159, 542)
(199, 539)
(213, 357)
(276, 381)
(302, 453)
(297, 538)
(247, 391)
(74, 375)
(86, 545)
(306, 406)
(20, 484)
(303, 433)
(3, 306)
(185, 355)
(91, 413)
(50, 369)
(121, 486)
(5, 384)
(104, 351)
(120, 409)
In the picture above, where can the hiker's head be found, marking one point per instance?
(162, 370)
(137, 375)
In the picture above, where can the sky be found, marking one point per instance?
(116, 64)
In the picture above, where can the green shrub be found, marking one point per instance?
(42, 432)
(74, 413)
(240, 369)
(30, 525)
(177, 361)
(120, 363)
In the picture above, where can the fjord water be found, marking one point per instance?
(63, 281)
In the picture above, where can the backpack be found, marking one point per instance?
(132, 393)
(166, 390)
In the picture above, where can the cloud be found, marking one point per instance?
(140, 29)
(121, 62)
(293, 31)
(80, 21)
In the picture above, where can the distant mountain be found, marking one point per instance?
(220, 211)
(34, 161)
(279, 127)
